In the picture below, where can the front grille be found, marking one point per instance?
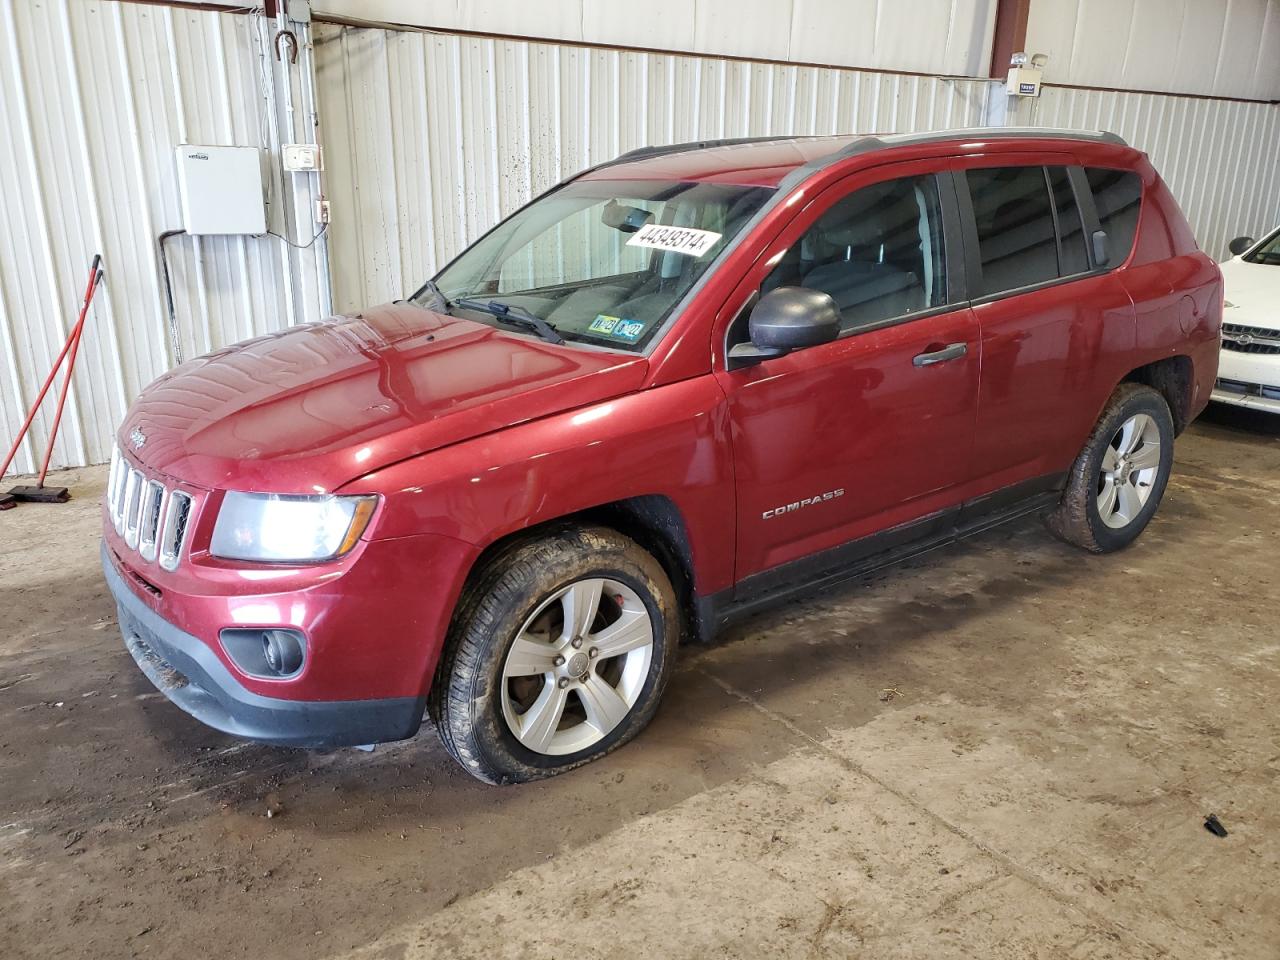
(152, 518)
(1247, 389)
(1244, 339)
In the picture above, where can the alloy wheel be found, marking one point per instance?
(1130, 467)
(577, 666)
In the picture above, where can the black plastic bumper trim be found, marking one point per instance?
(190, 674)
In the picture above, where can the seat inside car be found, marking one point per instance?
(854, 270)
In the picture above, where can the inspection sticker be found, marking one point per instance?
(617, 328)
(677, 239)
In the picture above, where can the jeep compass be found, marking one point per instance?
(675, 388)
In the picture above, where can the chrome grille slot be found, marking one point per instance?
(149, 527)
(153, 518)
(113, 478)
(132, 507)
(175, 529)
(118, 498)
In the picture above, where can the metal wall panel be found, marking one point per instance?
(439, 136)
(1220, 158)
(430, 138)
(946, 37)
(1225, 48)
(94, 96)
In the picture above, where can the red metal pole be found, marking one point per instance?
(71, 369)
(74, 337)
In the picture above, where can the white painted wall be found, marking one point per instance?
(945, 37)
(429, 139)
(1226, 48)
(94, 96)
(444, 135)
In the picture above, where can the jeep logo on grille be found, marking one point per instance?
(137, 438)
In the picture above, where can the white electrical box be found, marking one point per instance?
(221, 190)
(1024, 81)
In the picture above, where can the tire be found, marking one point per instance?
(1111, 493)
(496, 712)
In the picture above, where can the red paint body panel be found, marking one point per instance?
(468, 434)
(307, 409)
(672, 442)
(373, 631)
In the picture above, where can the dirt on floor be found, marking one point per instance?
(1005, 749)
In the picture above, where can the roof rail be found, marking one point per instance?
(870, 142)
(879, 142)
(643, 153)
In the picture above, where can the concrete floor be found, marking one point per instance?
(1005, 749)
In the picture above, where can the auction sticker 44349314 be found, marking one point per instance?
(677, 239)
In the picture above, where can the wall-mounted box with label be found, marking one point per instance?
(221, 190)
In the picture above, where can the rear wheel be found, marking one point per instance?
(559, 654)
(1117, 482)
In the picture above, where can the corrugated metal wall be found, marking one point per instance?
(93, 99)
(442, 135)
(1221, 158)
(945, 37)
(1225, 48)
(430, 138)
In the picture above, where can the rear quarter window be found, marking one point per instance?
(1117, 195)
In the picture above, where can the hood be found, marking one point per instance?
(1254, 288)
(315, 406)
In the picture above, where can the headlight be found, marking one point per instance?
(275, 527)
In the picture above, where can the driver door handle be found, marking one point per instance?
(950, 352)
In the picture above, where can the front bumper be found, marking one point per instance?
(1255, 396)
(190, 674)
(1249, 369)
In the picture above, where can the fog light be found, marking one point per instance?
(282, 652)
(271, 654)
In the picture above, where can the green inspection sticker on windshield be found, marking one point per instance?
(617, 328)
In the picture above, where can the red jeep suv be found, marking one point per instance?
(676, 387)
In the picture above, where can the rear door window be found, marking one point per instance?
(1013, 211)
(1117, 195)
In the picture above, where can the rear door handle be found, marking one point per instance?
(950, 352)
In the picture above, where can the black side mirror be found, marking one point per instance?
(1101, 248)
(1240, 244)
(786, 319)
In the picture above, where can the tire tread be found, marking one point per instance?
(502, 583)
(1069, 521)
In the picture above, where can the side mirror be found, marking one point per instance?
(1240, 244)
(1101, 248)
(786, 319)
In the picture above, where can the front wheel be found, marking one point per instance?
(559, 654)
(1118, 480)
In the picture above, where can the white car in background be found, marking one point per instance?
(1249, 366)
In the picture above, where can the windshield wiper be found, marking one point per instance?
(512, 314)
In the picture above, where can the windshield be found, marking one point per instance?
(601, 261)
(1269, 252)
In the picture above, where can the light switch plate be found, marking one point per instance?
(302, 157)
